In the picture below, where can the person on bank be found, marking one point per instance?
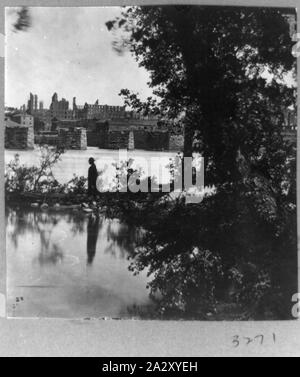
(92, 178)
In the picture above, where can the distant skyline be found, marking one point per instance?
(68, 51)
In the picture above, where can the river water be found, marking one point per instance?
(76, 162)
(70, 264)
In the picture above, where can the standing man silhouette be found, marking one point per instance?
(92, 178)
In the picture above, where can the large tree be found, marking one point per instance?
(203, 60)
(222, 72)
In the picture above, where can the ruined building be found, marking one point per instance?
(97, 111)
(19, 133)
(60, 109)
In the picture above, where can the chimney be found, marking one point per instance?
(35, 102)
(74, 103)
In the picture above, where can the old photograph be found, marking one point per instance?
(150, 162)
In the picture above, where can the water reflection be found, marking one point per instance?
(20, 222)
(121, 238)
(51, 254)
(92, 237)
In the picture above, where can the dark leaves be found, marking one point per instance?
(206, 65)
(110, 25)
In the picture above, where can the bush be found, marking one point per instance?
(21, 178)
(76, 186)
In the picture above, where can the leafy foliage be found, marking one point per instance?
(21, 178)
(77, 185)
(221, 71)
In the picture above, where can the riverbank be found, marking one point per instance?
(126, 206)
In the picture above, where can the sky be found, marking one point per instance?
(68, 51)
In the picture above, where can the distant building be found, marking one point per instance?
(97, 111)
(19, 133)
(44, 116)
(22, 119)
(35, 102)
(60, 109)
(23, 109)
(36, 109)
(122, 133)
(105, 126)
(9, 110)
(30, 104)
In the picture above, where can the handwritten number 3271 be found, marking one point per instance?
(259, 339)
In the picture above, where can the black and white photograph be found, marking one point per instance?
(150, 163)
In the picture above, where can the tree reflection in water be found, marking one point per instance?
(120, 238)
(21, 221)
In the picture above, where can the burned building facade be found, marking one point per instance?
(108, 127)
(97, 111)
(59, 109)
